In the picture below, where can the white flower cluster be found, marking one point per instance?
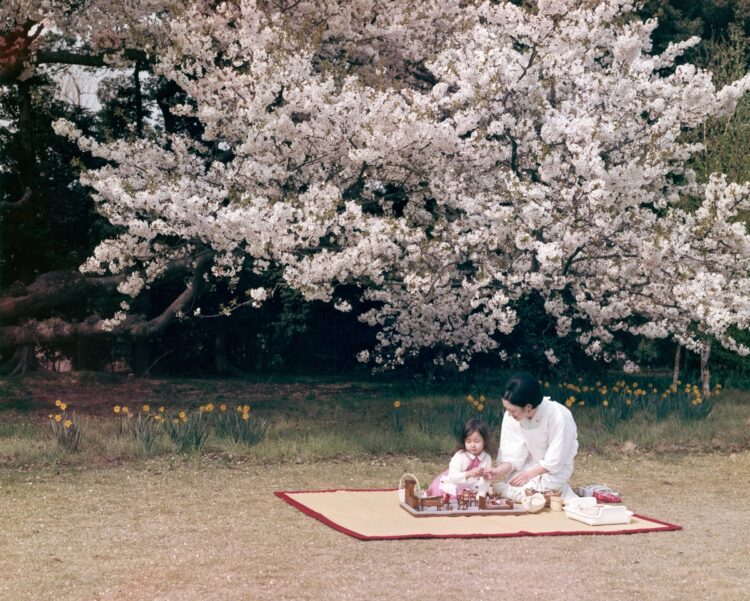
(450, 159)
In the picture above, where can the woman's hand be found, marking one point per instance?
(497, 473)
(477, 472)
(521, 478)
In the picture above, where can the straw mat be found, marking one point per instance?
(377, 515)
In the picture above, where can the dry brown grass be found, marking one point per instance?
(176, 529)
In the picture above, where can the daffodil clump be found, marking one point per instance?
(490, 411)
(694, 405)
(188, 431)
(67, 427)
(618, 401)
(146, 427)
(122, 420)
(237, 424)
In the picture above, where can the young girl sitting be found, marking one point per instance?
(468, 465)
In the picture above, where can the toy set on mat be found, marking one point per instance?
(468, 502)
(595, 505)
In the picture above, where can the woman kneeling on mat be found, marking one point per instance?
(537, 445)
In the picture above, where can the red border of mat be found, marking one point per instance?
(284, 496)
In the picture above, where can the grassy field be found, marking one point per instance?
(111, 523)
(316, 420)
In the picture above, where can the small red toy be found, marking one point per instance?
(607, 497)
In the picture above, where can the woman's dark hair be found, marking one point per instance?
(477, 425)
(523, 389)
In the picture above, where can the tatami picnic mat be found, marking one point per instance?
(377, 515)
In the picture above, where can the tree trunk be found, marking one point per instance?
(140, 359)
(705, 374)
(22, 361)
(676, 370)
(90, 354)
(138, 99)
(222, 363)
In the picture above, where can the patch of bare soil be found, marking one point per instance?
(96, 393)
(178, 530)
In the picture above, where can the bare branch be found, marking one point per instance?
(66, 57)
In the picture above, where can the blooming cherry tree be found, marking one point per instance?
(451, 160)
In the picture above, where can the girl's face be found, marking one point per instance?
(474, 443)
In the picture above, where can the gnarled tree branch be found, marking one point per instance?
(55, 329)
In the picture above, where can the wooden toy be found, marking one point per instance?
(436, 502)
(466, 503)
(410, 496)
(466, 498)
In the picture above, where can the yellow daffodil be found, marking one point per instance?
(210, 407)
(146, 409)
(222, 407)
(605, 402)
(161, 409)
(58, 417)
(245, 416)
(63, 406)
(182, 415)
(117, 409)
(67, 423)
(396, 404)
(480, 407)
(57, 402)
(470, 398)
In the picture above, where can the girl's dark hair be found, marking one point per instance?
(477, 425)
(523, 389)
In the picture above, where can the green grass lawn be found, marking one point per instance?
(314, 420)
